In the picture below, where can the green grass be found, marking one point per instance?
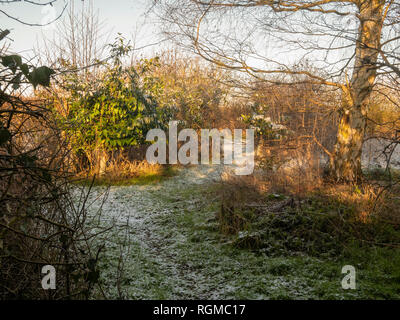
(290, 274)
(190, 258)
(140, 179)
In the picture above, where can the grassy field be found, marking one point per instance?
(167, 244)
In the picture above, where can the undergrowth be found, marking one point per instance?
(360, 224)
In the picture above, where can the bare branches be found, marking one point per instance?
(49, 3)
(250, 35)
(40, 222)
(353, 43)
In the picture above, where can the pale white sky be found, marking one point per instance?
(121, 16)
(124, 16)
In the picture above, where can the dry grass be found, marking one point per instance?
(292, 168)
(289, 185)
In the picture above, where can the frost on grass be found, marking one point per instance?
(165, 245)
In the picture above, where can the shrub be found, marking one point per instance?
(39, 223)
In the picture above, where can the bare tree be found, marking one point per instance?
(77, 51)
(351, 41)
(79, 41)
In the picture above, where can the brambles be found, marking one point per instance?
(40, 224)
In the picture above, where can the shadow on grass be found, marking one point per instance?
(142, 178)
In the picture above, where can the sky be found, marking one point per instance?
(124, 16)
(127, 17)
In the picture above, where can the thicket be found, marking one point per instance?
(112, 112)
(42, 221)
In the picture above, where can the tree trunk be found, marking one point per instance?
(346, 163)
(346, 159)
(102, 162)
(98, 162)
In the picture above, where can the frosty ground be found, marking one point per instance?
(166, 245)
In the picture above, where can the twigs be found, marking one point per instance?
(39, 221)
